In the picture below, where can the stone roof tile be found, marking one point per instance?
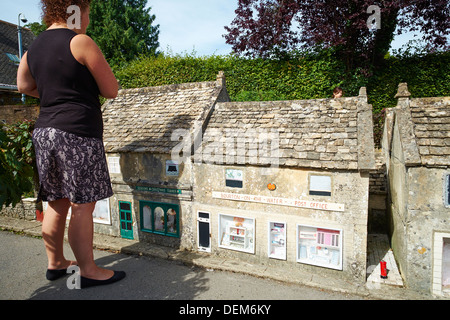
(431, 122)
(320, 133)
(144, 119)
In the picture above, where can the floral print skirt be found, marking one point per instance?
(71, 167)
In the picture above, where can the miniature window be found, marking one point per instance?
(172, 168)
(114, 164)
(319, 247)
(160, 218)
(101, 212)
(233, 178)
(319, 185)
(236, 233)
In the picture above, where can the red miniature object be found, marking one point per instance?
(383, 270)
(39, 215)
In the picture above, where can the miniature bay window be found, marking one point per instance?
(160, 218)
(319, 246)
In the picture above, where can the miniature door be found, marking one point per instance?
(126, 220)
(203, 232)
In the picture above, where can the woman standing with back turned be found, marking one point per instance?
(67, 71)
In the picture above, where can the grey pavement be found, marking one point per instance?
(161, 273)
(22, 277)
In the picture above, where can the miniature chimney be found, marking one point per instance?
(403, 91)
(221, 79)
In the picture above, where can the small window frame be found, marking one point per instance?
(165, 207)
(317, 191)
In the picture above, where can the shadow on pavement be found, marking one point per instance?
(146, 279)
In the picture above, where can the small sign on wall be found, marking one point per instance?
(234, 178)
(316, 205)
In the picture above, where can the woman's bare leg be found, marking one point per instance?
(53, 228)
(81, 236)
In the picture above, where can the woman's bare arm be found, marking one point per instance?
(25, 81)
(86, 52)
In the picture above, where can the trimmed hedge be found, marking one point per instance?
(302, 76)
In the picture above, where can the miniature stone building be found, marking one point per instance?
(283, 182)
(416, 144)
(287, 183)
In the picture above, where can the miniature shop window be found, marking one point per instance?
(277, 240)
(101, 212)
(319, 185)
(160, 218)
(236, 233)
(319, 246)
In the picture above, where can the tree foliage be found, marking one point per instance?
(123, 29)
(268, 28)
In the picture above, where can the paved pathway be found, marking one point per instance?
(373, 289)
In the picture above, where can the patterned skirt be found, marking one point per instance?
(71, 167)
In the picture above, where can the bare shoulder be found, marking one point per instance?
(83, 40)
(83, 47)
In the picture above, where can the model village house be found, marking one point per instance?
(285, 183)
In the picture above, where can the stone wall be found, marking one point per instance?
(16, 113)
(26, 209)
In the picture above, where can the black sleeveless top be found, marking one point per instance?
(68, 92)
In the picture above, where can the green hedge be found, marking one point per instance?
(427, 76)
(302, 76)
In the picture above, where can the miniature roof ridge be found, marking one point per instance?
(169, 87)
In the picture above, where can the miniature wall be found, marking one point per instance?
(426, 215)
(348, 188)
(26, 209)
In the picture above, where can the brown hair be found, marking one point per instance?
(337, 90)
(56, 10)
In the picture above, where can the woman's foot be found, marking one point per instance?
(87, 282)
(96, 273)
(58, 270)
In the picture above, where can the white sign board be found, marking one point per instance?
(327, 206)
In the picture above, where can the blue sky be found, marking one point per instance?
(186, 26)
